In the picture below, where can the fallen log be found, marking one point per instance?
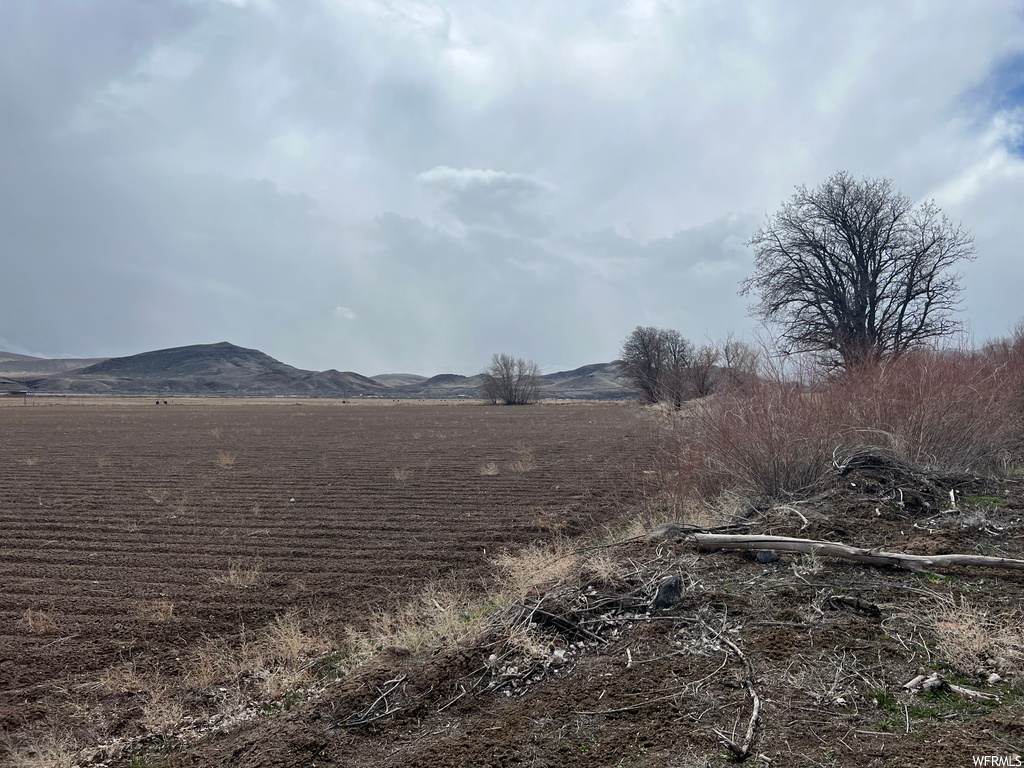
(714, 541)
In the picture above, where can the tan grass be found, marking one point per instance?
(162, 709)
(490, 469)
(601, 567)
(40, 622)
(241, 573)
(546, 520)
(276, 659)
(525, 461)
(974, 641)
(441, 615)
(155, 610)
(401, 475)
(52, 748)
(103, 461)
(31, 461)
(226, 458)
(157, 496)
(536, 567)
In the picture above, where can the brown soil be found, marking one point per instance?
(109, 512)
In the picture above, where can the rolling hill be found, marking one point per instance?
(227, 369)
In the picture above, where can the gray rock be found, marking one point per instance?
(668, 593)
(766, 556)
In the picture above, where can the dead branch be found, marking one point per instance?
(742, 751)
(711, 541)
(936, 682)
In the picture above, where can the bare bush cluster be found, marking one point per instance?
(947, 411)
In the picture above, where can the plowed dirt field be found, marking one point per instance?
(129, 530)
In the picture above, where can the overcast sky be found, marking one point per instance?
(386, 186)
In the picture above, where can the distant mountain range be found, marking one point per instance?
(226, 369)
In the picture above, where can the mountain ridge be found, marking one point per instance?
(224, 368)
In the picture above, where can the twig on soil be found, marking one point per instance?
(464, 692)
(363, 717)
(631, 708)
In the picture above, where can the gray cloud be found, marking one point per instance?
(414, 185)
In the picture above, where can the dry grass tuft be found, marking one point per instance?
(226, 458)
(490, 469)
(975, 642)
(103, 461)
(52, 748)
(40, 622)
(401, 475)
(155, 610)
(440, 616)
(158, 496)
(524, 462)
(536, 567)
(31, 461)
(162, 709)
(601, 568)
(241, 573)
(546, 520)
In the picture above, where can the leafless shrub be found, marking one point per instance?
(511, 381)
(949, 411)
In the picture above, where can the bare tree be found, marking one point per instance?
(511, 380)
(641, 362)
(657, 363)
(702, 370)
(855, 271)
